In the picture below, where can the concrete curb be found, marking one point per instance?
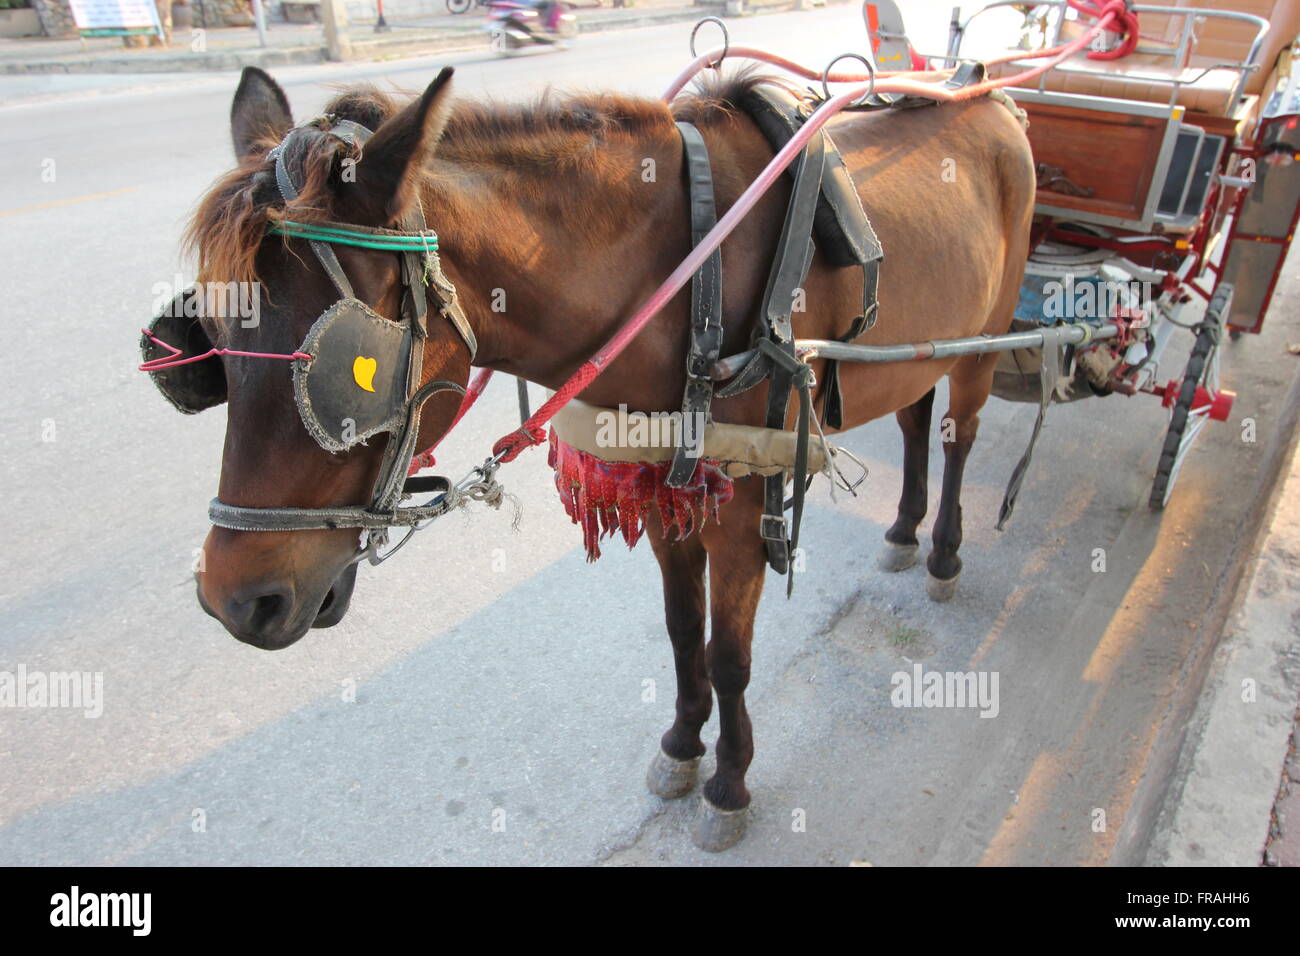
(391, 47)
(1218, 806)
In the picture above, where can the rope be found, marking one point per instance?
(171, 361)
(532, 431)
(343, 235)
(1127, 28)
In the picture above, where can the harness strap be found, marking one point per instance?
(322, 519)
(840, 220)
(776, 346)
(846, 234)
(365, 237)
(833, 401)
(787, 367)
(706, 312)
(382, 513)
(348, 132)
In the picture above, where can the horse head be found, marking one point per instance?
(333, 267)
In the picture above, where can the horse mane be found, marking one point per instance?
(563, 129)
(559, 132)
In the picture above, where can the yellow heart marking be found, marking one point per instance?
(363, 371)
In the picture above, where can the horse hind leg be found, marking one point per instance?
(737, 564)
(682, 564)
(969, 383)
(901, 545)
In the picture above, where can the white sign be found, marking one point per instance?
(107, 17)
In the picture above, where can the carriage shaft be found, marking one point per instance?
(810, 349)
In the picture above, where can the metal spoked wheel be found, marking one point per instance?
(1189, 414)
(459, 6)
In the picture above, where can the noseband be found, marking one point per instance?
(356, 374)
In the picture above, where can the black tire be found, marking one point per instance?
(1209, 333)
(459, 6)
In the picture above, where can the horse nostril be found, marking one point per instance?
(269, 609)
(328, 603)
(262, 614)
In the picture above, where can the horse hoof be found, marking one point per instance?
(670, 778)
(717, 830)
(897, 557)
(941, 590)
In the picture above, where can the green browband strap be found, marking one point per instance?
(389, 240)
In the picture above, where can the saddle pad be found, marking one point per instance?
(617, 435)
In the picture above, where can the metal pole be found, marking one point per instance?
(381, 25)
(810, 349)
(259, 18)
(524, 413)
(954, 33)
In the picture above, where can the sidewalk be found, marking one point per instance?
(232, 48)
(1226, 806)
(1283, 847)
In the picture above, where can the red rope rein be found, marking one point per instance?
(1111, 15)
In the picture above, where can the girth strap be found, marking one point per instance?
(706, 312)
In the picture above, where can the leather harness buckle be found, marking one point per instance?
(774, 528)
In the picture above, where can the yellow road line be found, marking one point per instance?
(68, 202)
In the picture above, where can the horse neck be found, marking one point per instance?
(549, 259)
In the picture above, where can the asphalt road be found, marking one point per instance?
(498, 678)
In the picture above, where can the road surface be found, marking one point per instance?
(491, 698)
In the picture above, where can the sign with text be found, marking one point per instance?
(102, 18)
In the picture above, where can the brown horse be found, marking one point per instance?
(549, 203)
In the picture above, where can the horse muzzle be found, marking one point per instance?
(271, 612)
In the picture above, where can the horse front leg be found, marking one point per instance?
(737, 562)
(969, 383)
(901, 545)
(675, 767)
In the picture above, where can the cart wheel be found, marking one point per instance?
(1186, 422)
(459, 6)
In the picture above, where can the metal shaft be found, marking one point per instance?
(809, 349)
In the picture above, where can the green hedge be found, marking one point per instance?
(14, 4)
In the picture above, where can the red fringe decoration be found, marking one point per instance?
(608, 496)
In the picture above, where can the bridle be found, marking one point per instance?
(322, 384)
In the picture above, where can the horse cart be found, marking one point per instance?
(1157, 193)
(1165, 156)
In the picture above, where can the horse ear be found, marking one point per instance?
(400, 147)
(260, 111)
